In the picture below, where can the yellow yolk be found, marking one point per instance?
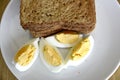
(51, 56)
(81, 49)
(25, 55)
(67, 37)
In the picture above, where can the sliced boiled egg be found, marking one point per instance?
(80, 52)
(50, 56)
(26, 55)
(64, 39)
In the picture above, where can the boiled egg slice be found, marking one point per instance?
(50, 56)
(80, 52)
(64, 39)
(26, 55)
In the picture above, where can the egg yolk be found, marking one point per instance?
(67, 37)
(81, 49)
(51, 56)
(25, 55)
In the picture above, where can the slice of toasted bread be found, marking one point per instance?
(45, 17)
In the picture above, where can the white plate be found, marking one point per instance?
(100, 65)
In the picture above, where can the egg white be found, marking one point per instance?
(54, 42)
(24, 68)
(51, 68)
(70, 62)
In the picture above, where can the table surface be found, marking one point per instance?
(5, 73)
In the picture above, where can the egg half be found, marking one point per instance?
(50, 56)
(64, 39)
(26, 55)
(80, 52)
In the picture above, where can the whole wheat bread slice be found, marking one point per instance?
(46, 17)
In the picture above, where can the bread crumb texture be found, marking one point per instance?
(40, 11)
